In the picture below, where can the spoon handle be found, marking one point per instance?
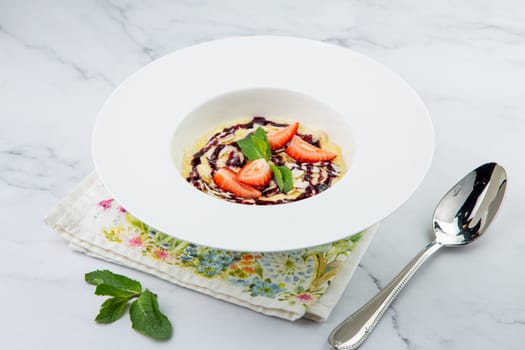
(353, 331)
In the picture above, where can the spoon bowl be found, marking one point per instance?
(460, 217)
(469, 207)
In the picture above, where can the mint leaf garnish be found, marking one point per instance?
(109, 278)
(112, 309)
(287, 178)
(145, 314)
(107, 289)
(255, 145)
(283, 177)
(147, 319)
(260, 138)
(248, 148)
(277, 176)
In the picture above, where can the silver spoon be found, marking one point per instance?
(461, 216)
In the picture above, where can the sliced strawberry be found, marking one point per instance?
(302, 151)
(255, 173)
(279, 138)
(225, 178)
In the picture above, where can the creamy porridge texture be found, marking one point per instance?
(261, 161)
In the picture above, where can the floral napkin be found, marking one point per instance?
(293, 284)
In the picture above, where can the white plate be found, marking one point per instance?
(380, 123)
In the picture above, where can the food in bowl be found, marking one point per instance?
(261, 161)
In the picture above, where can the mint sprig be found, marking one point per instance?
(255, 145)
(283, 177)
(145, 315)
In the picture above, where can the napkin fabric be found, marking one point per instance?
(293, 284)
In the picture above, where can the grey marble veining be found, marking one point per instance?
(59, 60)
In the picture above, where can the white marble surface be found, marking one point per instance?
(59, 60)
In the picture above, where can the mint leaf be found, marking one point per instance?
(277, 176)
(248, 148)
(283, 177)
(262, 147)
(112, 281)
(147, 319)
(287, 178)
(107, 289)
(255, 145)
(261, 140)
(112, 309)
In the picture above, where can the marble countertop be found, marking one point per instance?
(59, 60)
